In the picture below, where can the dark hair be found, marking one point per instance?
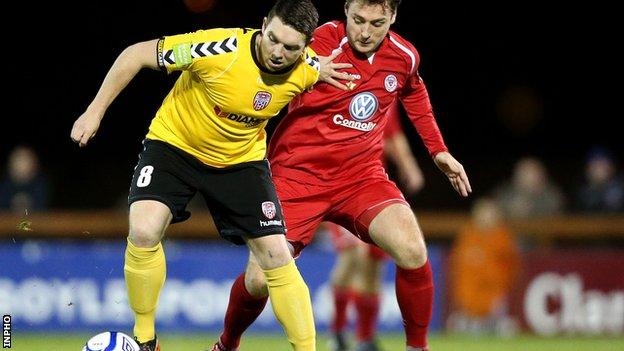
(298, 14)
(391, 4)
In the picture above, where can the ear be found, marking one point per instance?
(393, 18)
(265, 22)
(346, 8)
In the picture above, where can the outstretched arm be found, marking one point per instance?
(415, 99)
(125, 67)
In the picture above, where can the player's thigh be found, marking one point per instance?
(362, 202)
(304, 207)
(159, 192)
(163, 174)
(243, 201)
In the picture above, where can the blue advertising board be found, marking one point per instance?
(79, 286)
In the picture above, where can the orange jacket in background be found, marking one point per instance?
(483, 265)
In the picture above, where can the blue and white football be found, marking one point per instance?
(111, 341)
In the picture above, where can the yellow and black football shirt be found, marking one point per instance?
(220, 104)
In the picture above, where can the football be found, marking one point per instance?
(111, 341)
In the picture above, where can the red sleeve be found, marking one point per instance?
(325, 39)
(416, 102)
(393, 125)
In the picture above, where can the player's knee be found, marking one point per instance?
(411, 255)
(275, 258)
(144, 235)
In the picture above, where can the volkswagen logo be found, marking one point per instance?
(363, 106)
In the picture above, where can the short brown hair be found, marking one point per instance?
(298, 14)
(391, 4)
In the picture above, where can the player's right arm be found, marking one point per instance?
(123, 70)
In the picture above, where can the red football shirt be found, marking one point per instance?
(330, 135)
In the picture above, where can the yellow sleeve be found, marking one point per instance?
(185, 51)
(313, 67)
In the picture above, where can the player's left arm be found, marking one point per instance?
(415, 99)
(126, 66)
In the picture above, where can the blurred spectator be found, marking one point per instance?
(603, 190)
(24, 187)
(398, 151)
(484, 263)
(530, 192)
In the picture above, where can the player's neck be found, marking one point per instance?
(366, 55)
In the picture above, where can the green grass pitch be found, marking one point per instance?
(274, 342)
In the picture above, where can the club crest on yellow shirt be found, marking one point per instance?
(261, 100)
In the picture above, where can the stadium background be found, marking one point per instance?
(506, 81)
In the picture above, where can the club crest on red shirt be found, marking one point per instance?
(261, 100)
(390, 83)
(268, 208)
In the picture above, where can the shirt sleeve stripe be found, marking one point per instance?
(406, 50)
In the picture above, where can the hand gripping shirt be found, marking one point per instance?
(220, 104)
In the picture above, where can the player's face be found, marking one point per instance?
(280, 45)
(367, 25)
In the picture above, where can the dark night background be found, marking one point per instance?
(505, 81)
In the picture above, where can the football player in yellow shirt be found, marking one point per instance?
(208, 136)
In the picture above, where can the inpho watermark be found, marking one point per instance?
(6, 331)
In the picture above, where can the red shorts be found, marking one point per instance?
(344, 240)
(351, 205)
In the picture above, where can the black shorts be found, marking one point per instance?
(241, 198)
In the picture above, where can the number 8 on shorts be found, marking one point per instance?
(145, 176)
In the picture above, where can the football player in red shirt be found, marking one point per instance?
(326, 164)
